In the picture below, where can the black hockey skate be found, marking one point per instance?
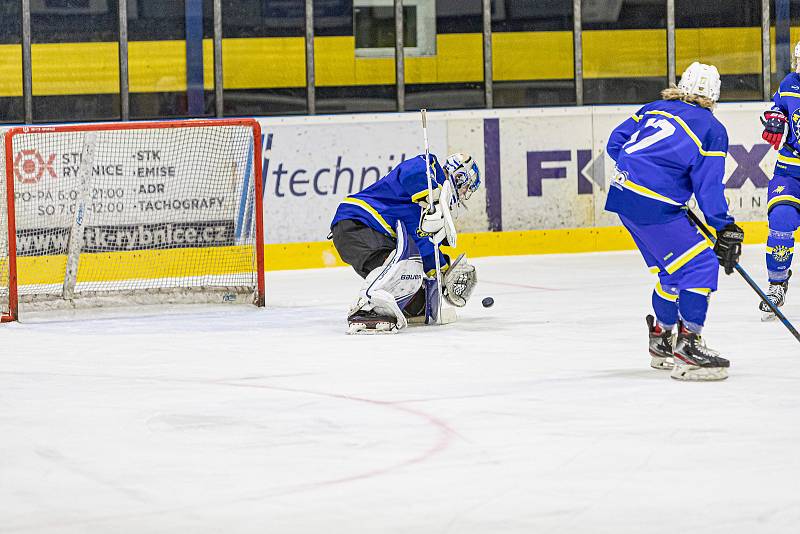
(694, 361)
(369, 322)
(661, 343)
(777, 295)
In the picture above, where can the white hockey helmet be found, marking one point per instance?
(701, 80)
(464, 172)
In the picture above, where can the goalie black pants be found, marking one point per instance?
(365, 249)
(360, 246)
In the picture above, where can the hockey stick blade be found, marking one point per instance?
(747, 278)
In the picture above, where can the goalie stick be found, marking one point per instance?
(739, 269)
(424, 113)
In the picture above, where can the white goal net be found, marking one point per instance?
(166, 212)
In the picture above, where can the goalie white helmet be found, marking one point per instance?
(464, 173)
(701, 80)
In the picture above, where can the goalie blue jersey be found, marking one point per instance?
(787, 100)
(394, 197)
(665, 152)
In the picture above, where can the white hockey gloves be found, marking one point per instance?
(459, 282)
(437, 221)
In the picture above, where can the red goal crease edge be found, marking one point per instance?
(13, 297)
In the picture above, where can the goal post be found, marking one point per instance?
(129, 213)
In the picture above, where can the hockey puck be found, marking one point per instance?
(488, 302)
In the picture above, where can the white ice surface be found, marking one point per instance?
(538, 415)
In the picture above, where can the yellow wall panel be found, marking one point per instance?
(334, 61)
(731, 50)
(422, 69)
(208, 64)
(532, 56)
(157, 66)
(263, 62)
(75, 68)
(160, 66)
(10, 70)
(624, 53)
(374, 71)
(460, 57)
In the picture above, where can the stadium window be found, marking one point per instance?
(348, 81)
(11, 106)
(75, 61)
(624, 51)
(162, 83)
(264, 57)
(444, 66)
(532, 53)
(725, 34)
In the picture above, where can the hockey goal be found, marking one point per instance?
(127, 213)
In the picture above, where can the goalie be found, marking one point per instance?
(388, 232)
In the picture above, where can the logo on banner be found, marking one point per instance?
(30, 166)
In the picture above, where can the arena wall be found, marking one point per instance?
(545, 176)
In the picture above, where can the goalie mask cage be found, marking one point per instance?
(128, 213)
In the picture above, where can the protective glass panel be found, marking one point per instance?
(75, 60)
(784, 35)
(724, 34)
(11, 109)
(264, 57)
(532, 53)
(444, 65)
(170, 58)
(624, 51)
(354, 65)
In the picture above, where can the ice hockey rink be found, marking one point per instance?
(538, 415)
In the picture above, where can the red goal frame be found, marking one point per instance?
(13, 295)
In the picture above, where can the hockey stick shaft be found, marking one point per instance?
(424, 113)
(747, 278)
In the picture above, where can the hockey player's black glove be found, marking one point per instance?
(728, 247)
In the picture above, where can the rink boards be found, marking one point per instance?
(545, 176)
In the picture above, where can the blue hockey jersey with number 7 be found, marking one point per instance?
(394, 197)
(665, 152)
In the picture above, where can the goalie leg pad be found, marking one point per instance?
(388, 289)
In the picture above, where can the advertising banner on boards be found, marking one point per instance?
(542, 168)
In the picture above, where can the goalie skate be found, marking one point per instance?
(777, 295)
(369, 323)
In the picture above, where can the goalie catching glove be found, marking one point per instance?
(460, 280)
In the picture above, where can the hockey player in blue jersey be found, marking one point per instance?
(388, 233)
(667, 151)
(783, 197)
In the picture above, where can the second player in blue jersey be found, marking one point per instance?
(666, 152)
(783, 197)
